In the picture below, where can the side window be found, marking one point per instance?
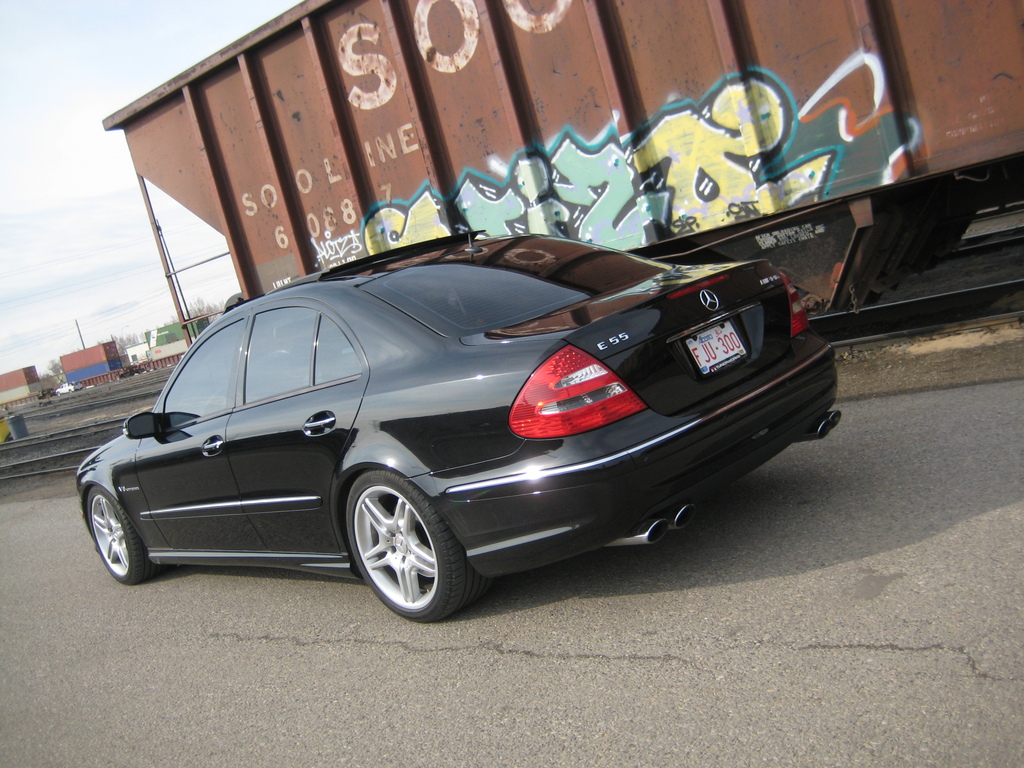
(205, 384)
(280, 352)
(335, 357)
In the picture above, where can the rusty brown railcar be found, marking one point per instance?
(850, 141)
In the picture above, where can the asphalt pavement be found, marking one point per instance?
(855, 602)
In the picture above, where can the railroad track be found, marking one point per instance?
(65, 463)
(920, 316)
(63, 431)
(59, 452)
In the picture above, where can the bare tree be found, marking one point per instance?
(53, 377)
(201, 307)
(124, 341)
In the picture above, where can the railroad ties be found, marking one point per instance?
(62, 431)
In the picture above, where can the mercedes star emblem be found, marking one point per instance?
(709, 300)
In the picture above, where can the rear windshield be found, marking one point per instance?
(460, 299)
(510, 282)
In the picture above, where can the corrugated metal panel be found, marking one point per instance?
(18, 393)
(92, 371)
(166, 150)
(19, 378)
(960, 68)
(358, 125)
(85, 358)
(169, 349)
(666, 61)
(309, 146)
(825, 64)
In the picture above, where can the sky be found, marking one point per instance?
(77, 257)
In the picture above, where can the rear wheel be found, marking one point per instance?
(409, 556)
(117, 541)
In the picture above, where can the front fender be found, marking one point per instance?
(112, 468)
(100, 468)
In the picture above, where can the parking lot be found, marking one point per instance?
(856, 601)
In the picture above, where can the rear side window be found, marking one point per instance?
(280, 355)
(205, 385)
(335, 357)
(460, 299)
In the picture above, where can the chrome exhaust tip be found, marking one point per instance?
(648, 532)
(828, 422)
(683, 517)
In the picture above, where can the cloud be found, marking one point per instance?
(76, 243)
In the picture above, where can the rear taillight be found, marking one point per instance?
(570, 393)
(798, 322)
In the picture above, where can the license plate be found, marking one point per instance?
(716, 347)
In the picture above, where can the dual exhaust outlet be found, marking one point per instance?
(828, 422)
(650, 531)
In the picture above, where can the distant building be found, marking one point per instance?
(166, 341)
(137, 353)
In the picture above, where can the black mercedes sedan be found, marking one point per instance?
(435, 416)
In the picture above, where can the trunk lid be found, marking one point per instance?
(678, 335)
(682, 337)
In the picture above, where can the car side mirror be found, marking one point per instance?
(142, 425)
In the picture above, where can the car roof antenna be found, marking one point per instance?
(473, 248)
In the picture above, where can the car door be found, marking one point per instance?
(303, 382)
(184, 472)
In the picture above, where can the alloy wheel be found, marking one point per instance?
(109, 533)
(396, 551)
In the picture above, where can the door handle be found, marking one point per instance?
(213, 446)
(319, 424)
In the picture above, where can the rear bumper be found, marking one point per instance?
(531, 518)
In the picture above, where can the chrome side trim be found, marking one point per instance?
(202, 554)
(518, 540)
(541, 474)
(346, 566)
(235, 505)
(224, 505)
(282, 500)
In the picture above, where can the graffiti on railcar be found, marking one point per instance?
(742, 151)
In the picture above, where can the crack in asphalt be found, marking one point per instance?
(972, 663)
(493, 647)
(502, 650)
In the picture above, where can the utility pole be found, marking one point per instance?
(80, 337)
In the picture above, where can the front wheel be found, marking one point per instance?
(407, 553)
(117, 541)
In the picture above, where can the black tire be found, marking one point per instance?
(405, 551)
(117, 542)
